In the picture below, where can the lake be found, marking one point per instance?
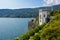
(13, 27)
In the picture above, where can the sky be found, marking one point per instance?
(16, 4)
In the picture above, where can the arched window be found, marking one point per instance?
(40, 20)
(44, 15)
(40, 16)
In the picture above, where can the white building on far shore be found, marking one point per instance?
(44, 16)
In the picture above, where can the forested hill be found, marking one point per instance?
(25, 12)
(49, 31)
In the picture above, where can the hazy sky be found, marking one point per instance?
(15, 4)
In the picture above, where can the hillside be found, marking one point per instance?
(49, 31)
(25, 12)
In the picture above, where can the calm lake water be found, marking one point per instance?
(13, 27)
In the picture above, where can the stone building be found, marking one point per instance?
(44, 16)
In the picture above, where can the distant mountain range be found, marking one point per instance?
(25, 12)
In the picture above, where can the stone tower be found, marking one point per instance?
(44, 16)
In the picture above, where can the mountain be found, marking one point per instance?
(25, 12)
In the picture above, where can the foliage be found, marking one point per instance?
(36, 29)
(31, 38)
(17, 38)
(52, 30)
(49, 31)
(31, 33)
(27, 35)
(55, 12)
(36, 36)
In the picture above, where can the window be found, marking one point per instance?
(40, 16)
(40, 20)
(44, 15)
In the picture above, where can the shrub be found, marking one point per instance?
(36, 29)
(31, 38)
(55, 12)
(17, 38)
(36, 36)
(31, 32)
(25, 36)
